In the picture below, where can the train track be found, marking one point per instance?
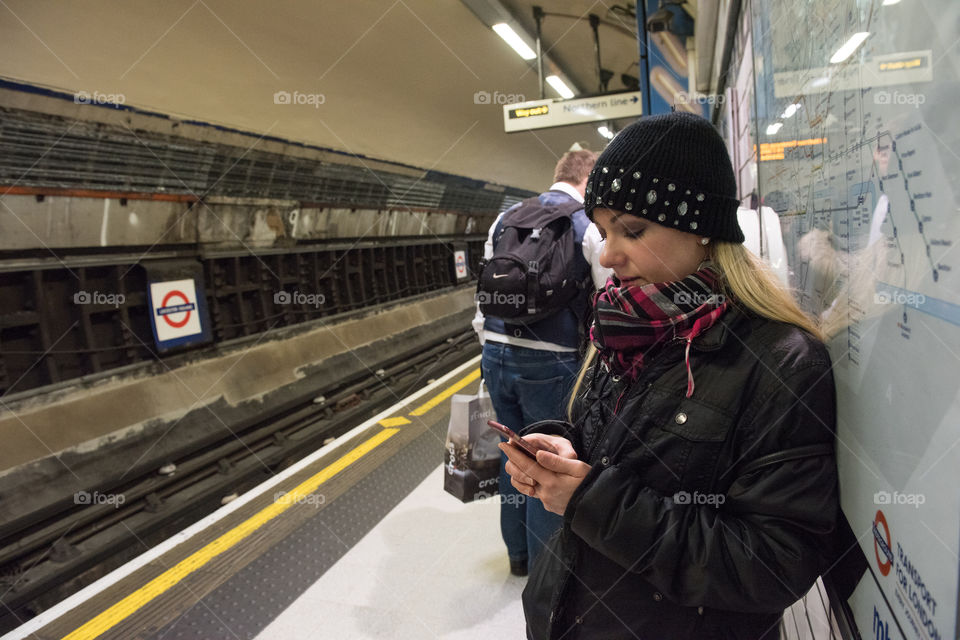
(57, 555)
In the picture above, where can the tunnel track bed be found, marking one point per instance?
(45, 561)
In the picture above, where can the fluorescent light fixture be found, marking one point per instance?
(511, 38)
(606, 133)
(772, 129)
(790, 110)
(849, 47)
(560, 87)
(887, 3)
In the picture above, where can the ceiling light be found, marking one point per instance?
(606, 133)
(790, 110)
(511, 38)
(887, 3)
(560, 87)
(772, 129)
(849, 47)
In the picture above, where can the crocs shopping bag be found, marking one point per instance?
(471, 466)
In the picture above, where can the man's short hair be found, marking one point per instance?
(574, 166)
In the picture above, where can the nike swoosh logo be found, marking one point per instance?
(500, 275)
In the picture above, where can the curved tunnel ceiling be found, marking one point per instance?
(397, 78)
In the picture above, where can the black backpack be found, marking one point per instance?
(535, 270)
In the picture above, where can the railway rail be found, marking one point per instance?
(71, 545)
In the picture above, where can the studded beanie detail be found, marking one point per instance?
(672, 169)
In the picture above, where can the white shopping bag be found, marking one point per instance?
(471, 459)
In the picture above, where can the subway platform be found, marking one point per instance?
(357, 540)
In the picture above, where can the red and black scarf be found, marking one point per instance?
(632, 323)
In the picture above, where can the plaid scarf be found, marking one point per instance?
(632, 323)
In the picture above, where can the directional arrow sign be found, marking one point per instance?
(541, 114)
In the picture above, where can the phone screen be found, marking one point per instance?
(525, 446)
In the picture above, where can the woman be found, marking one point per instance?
(697, 478)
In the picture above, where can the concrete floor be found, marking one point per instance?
(433, 568)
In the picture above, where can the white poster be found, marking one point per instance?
(460, 263)
(869, 214)
(873, 616)
(174, 308)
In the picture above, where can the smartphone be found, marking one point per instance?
(525, 446)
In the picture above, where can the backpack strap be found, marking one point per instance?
(531, 213)
(501, 223)
(533, 276)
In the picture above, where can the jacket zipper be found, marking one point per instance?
(555, 602)
(598, 438)
(616, 407)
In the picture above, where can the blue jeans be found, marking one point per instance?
(526, 385)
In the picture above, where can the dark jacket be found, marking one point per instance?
(702, 517)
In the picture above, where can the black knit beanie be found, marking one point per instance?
(672, 169)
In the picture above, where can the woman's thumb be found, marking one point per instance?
(557, 464)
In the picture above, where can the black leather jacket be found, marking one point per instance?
(702, 517)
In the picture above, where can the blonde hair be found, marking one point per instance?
(749, 283)
(752, 284)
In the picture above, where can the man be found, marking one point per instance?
(529, 369)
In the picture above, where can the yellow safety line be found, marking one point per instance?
(394, 422)
(139, 598)
(446, 393)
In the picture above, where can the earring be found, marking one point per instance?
(704, 241)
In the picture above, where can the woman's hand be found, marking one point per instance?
(557, 444)
(551, 478)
